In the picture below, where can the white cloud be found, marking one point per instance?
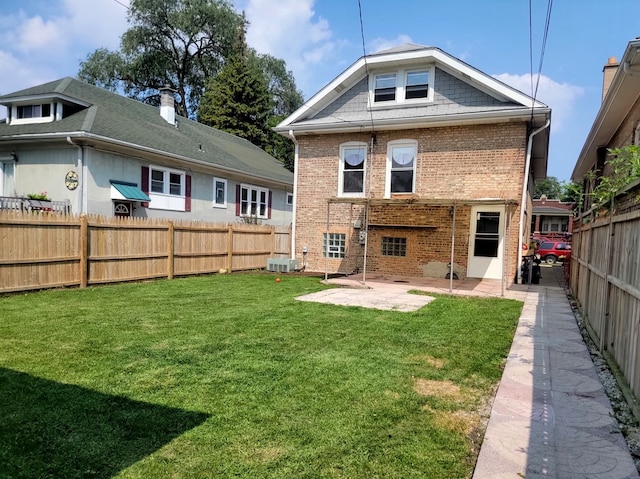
(291, 31)
(37, 34)
(561, 97)
(379, 44)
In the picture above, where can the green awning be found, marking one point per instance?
(127, 191)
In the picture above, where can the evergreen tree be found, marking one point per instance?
(238, 101)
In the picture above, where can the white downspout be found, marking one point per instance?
(523, 202)
(295, 194)
(80, 167)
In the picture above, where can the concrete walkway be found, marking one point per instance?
(551, 417)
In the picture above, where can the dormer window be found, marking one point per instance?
(403, 87)
(34, 111)
(417, 85)
(385, 89)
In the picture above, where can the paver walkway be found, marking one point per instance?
(551, 417)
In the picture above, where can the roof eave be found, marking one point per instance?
(621, 96)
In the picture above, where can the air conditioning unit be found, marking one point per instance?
(282, 265)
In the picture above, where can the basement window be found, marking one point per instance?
(394, 246)
(333, 245)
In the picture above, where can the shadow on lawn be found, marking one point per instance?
(54, 430)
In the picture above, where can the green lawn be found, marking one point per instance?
(229, 376)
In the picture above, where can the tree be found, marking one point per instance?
(550, 187)
(286, 96)
(175, 43)
(238, 100)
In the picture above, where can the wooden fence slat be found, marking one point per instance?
(41, 251)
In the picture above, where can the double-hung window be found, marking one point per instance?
(401, 167)
(385, 87)
(254, 201)
(417, 85)
(168, 189)
(352, 169)
(167, 182)
(404, 87)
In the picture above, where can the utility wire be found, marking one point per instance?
(364, 56)
(119, 2)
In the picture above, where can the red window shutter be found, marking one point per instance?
(269, 204)
(187, 193)
(237, 200)
(144, 184)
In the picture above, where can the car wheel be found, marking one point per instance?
(550, 259)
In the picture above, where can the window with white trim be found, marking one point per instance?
(401, 167)
(33, 111)
(254, 201)
(352, 169)
(219, 193)
(165, 181)
(333, 245)
(289, 199)
(385, 87)
(402, 87)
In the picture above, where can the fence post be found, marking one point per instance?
(171, 246)
(230, 249)
(273, 241)
(84, 251)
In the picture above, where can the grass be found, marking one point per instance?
(229, 376)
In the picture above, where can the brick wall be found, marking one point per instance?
(462, 163)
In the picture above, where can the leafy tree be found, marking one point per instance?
(179, 43)
(572, 193)
(550, 187)
(286, 96)
(621, 169)
(238, 101)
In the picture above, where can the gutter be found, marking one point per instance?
(80, 167)
(164, 154)
(525, 187)
(295, 194)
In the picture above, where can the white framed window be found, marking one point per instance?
(402, 87)
(165, 181)
(402, 156)
(289, 199)
(219, 193)
(384, 87)
(353, 157)
(32, 113)
(333, 245)
(254, 201)
(168, 189)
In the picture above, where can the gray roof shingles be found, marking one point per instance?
(122, 119)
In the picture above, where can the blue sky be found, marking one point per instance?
(43, 40)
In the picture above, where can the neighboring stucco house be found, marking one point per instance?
(105, 154)
(411, 160)
(617, 123)
(552, 218)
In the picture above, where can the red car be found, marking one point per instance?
(552, 251)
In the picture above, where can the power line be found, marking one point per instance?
(120, 3)
(364, 56)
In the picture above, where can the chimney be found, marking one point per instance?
(609, 72)
(167, 105)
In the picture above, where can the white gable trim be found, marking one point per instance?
(451, 65)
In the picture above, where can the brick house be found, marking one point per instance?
(412, 162)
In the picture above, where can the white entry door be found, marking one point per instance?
(486, 242)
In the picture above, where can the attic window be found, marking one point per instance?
(34, 111)
(385, 87)
(403, 87)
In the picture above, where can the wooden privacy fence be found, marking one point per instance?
(47, 251)
(605, 280)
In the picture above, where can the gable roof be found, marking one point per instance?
(128, 124)
(507, 102)
(620, 98)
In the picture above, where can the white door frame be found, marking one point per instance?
(489, 267)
